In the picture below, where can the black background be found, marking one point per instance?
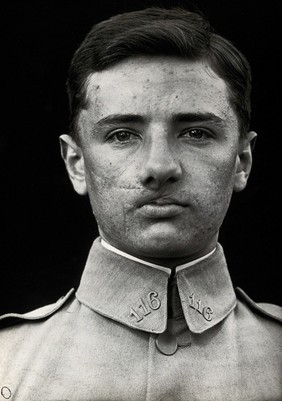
(46, 228)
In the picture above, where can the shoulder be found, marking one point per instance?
(10, 319)
(266, 310)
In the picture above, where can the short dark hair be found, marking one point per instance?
(159, 31)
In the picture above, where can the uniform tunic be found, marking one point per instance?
(132, 332)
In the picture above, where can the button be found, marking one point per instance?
(166, 343)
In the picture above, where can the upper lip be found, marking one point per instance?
(162, 200)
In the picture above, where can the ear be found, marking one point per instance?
(74, 161)
(244, 161)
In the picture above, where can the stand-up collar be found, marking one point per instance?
(135, 294)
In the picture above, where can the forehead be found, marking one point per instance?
(157, 87)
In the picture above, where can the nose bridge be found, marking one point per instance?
(159, 149)
(160, 162)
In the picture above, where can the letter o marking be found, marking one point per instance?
(6, 392)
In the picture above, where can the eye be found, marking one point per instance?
(197, 134)
(121, 136)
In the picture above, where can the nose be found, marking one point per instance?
(160, 164)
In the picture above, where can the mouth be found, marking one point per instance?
(161, 208)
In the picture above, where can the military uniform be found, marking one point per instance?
(132, 332)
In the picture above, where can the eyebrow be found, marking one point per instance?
(197, 117)
(175, 118)
(120, 119)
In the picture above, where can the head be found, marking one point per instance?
(159, 131)
(152, 32)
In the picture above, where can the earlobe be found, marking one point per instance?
(244, 161)
(74, 162)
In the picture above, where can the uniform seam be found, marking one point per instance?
(149, 366)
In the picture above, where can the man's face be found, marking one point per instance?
(160, 144)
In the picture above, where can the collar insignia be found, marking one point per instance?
(136, 295)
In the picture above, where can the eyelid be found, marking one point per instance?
(207, 131)
(111, 136)
(117, 130)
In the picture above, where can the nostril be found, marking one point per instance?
(150, 180)
(156, 182)
(156, 171)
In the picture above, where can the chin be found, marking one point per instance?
(172, 242)
(163, 246)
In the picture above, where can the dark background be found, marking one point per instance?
(46, 228)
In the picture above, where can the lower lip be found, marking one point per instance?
(161, 211)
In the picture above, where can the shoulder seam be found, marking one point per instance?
(25, 316)
(256, 306)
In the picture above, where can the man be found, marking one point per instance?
(159, 140)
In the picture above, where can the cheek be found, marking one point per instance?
(99, 172)
(214, 186)
(111, 177)
(107, 192)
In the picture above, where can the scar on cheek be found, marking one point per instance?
(126, 187)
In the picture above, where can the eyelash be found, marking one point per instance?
(113, 136)
(207, 134)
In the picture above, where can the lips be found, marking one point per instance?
(162, 207)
